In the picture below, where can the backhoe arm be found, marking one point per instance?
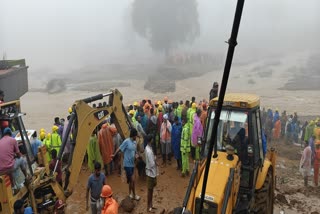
(84, 120)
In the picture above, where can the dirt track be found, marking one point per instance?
(168, 194)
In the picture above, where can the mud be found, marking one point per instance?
(168, 193)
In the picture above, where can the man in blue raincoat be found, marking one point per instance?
(175, 141)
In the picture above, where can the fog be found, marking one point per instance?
(61, 35)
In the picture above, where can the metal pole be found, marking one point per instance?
(25, 140)
(232, 44)
(65, 139)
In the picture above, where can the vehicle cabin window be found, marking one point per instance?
(259, 133)
(232, 130)
(255, 138)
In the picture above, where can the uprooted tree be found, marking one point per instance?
(166, 23)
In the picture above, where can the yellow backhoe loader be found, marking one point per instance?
(43, 191)
(236, 174)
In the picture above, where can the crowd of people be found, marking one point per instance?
(289, 129)
(283, 126)
(165, 128)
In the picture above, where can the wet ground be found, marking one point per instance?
(291, 196)
(168, 194)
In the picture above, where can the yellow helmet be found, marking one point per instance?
(160, 108)
(131, 112)
(194, 105)
(55, 128)
(42, 130)
(42, 135)
(48, 136)
(159, 102)
(70, 110)
(135, 103)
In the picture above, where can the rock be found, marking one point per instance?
(127, 204)
(281, 199)
(56, 86)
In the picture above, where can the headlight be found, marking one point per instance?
(208, 207)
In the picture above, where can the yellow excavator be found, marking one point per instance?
(236, 173)
(43, 191)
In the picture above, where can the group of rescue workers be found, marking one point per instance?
(292, 131)
(165, 128)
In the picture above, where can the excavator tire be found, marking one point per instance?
(264, 197)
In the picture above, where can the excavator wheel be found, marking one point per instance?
(264, 197)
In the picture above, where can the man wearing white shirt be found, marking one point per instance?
(151, 171)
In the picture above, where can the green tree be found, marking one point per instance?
(166, 23)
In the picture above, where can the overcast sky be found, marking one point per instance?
(75, 33)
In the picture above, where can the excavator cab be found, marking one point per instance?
(240, 131)
(10, 116)
(241, 177)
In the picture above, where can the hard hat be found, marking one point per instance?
(48, 136)
(42, 135)
(7, 131)
(106, 191)
(165, 99)
(194, 105)
(42, 130)
(70, 110)
(135, 103)
(55, 128)
(160, 108)
(131, 112)
(159, 102)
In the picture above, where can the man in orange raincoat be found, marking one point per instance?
(105, 140)
(277, 130)
(110, 205)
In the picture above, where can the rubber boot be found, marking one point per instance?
(178, 165)
(164, 161)
(106, 169)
